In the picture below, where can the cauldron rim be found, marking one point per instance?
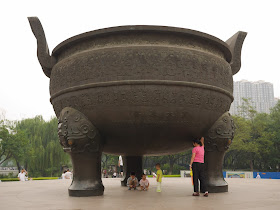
(148, 28)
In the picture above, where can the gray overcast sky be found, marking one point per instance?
(24, 89)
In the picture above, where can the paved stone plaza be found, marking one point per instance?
(176, 194)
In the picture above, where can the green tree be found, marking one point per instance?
(108, 159)
(45, 155)
(273, 133)
(256, 141)
(13, 144)
(19, 145)
(5, 144)
(172, 159)
(170, 163)
(247, 109)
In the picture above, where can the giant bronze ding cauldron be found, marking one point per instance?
(140, 90)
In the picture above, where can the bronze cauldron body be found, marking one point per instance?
(140, 90)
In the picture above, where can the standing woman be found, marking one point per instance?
(197, 166)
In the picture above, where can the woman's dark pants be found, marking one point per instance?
(199, 174)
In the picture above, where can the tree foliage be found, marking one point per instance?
(13, 143)
(34, 145)
(256, 140)
(44, 156)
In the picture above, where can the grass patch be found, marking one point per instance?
(37, 178)
(175, 175)
(9, 179)
(44, 178)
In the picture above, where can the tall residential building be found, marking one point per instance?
(260, 93)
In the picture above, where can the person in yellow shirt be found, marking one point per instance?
(159, 177)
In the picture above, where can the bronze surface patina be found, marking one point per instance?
(140, 90)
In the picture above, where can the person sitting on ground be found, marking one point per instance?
(68, 174)
(144, 183)
(114, 175)
(132, 181)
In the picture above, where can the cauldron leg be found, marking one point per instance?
(86, 175)
(132, 163)
(217, 141)
(84, 144)
(214, 167)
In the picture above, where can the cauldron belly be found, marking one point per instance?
(147, 119)
(157, 63)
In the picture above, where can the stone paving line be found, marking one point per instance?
(176, 194)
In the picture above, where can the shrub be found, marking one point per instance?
(10, 175)
(37, 178)
(9, 179)
(44, 178)
(172, 176)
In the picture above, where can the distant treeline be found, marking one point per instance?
(255, 147)
(34, 145)
(256, 143)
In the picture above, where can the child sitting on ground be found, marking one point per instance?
(132, 181)
(144, 183)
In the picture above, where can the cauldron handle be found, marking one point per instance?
(46, 60)
(235, 45)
